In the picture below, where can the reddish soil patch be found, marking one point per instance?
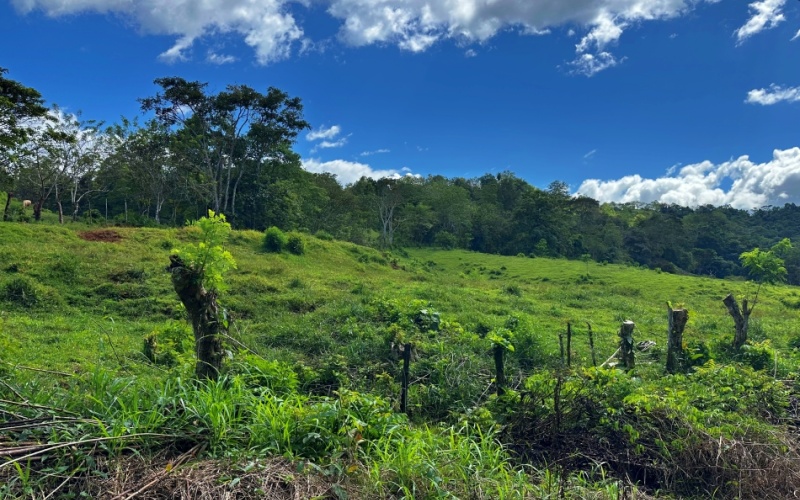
(104, 235)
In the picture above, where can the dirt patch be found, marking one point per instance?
(103, 235)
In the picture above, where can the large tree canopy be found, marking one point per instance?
(225, 135)
(18, 105)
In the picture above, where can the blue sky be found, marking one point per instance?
(682, 101)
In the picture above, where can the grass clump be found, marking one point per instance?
(274, 240)
(22, 291)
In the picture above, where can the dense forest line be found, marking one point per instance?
(232, 152)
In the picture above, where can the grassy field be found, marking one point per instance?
(321, 325)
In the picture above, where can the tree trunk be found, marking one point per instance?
(8, 204)
(37, 210)
(499, 368)
(626, 345)
(741, 319)
(406, 369)
(676, 359)
(60, 208)
(201, 305)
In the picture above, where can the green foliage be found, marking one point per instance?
(208, 257)
(170, 344)
(274, 240)
(295, 244)
(446, 240)
(21, 291)
(765, 266)
(502, 337)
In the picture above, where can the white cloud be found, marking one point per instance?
(348, 172)
(265, 25)
(766, 14)
(331, 144)
(796, 36)
(752, 184)
(414, 25)
(589, 154)
(591, 64)
(376, 152)
(773, 95)
(215, 58)
(470, 53)
(324, 133)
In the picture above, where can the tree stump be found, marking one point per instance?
(201, 306)
(741, 319)
(626, 356)
(676, 358)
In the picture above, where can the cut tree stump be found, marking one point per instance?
(676, 358)
(741, 319)
(201, 305)
(626, 356)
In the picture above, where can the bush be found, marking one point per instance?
(169, 344)
(445, 240)
(274, 240)
(324, 235)
(295, 244)
(22, 292)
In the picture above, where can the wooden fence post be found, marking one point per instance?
(591, 344)
(569, 345)
(626, 345)
(676, 359)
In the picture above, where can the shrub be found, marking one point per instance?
(21, 291)
(274, 240)
(324, 235)
(169, 344)
(295, 244)
(445, 240)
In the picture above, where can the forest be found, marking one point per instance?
(185, 312)
(232, 152)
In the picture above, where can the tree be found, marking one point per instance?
(222, 135)
(143, 155)
(19, 106)
(197, 276)
(764, 267)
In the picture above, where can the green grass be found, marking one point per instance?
(330, 320)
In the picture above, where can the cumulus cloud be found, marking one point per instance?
(348, 172)
(766, 14)
(414, 25)
(752, 184)
(265, 25)
(324, 133)
(773, 95)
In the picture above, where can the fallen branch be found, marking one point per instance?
(85, 441)
(52, 372)
(609, 359)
